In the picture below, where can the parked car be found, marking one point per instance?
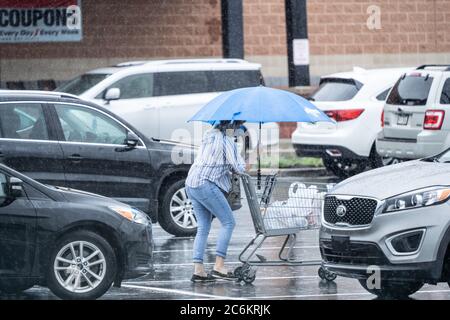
(74, 242)
(394, 219)
(355, 101)
(159, 97)
(61, 140)
(416, 122)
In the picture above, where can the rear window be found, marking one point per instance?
(411, 90)
(336, 89)
(445, 95)
(229, 80)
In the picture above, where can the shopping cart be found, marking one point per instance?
(281, 208)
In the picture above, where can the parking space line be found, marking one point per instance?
(181, 292)
(335, 294)
(235, 249)
(258, 278)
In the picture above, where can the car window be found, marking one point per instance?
(234, 79)
(85, 125)
(411, 90)
(82, 83)
(336, 89)
(445, 95)
(23, 121)
(133, 87)
(175, 83)
(382, 96)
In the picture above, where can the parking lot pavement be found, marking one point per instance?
(173, 269)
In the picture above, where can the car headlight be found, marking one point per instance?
(131, 214)
(416, 199)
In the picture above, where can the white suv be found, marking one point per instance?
(355, 101)
(158, 97)
(416, 114)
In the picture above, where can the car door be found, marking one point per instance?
(28, 144)
(96, 159)
(17, 232)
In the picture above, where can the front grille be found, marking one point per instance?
(359, 211)
(357, 253)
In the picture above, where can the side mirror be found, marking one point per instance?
(132, 140)
(15, 187)
(112, 94)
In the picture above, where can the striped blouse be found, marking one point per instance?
(209, 164)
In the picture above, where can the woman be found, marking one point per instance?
(206, 185)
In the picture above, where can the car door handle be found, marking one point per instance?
(75, 158)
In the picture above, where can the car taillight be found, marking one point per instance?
(382, 119)
(344, 115)
(433, 119)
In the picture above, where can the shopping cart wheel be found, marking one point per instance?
(238, 272)
(321, 272)
(330, 276)
(248, 275)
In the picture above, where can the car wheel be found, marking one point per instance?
(14, 286)
(344, 168)
(378, 161)
(393, 289)
(82, 266)
(177, 214)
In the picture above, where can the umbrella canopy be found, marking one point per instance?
(260, 104)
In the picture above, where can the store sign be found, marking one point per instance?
(40, 21)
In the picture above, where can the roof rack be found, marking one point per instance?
(424, 66)
(38, 92)
(177, 61)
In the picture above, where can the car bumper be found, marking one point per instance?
(371, 246)
(137, 243)
(428, 143)
(335, 151)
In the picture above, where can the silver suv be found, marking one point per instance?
(415, 119)
(390, 227)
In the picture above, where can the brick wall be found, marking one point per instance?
(136, 28)
(413, 26)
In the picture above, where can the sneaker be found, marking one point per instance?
(208, 278)
(225, 276)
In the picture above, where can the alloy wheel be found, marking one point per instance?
(79, 266)
(182, 211)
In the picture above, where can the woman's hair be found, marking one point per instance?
(224, 125)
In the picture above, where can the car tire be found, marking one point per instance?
(95, 248)
(393, 289)
(181, 221)
(377, 161)
(14, 286)
(344, 168)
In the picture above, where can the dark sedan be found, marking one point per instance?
(74, 242)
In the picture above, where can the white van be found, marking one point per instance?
(158, 97)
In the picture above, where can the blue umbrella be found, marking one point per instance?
(260, 104)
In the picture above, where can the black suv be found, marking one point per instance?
(61, 140)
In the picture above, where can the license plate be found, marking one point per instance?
(402, 119)
(340, 243)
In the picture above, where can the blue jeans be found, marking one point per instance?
(208, 200)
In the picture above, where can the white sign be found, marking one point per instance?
(301, 51)
(40, 21)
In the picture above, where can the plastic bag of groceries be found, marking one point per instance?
(301, 210)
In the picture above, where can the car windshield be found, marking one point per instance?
(336, 89)
(82, 83)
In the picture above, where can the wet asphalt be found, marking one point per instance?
(173, 269)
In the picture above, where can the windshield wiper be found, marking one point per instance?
(311, 99)
(431, 159)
